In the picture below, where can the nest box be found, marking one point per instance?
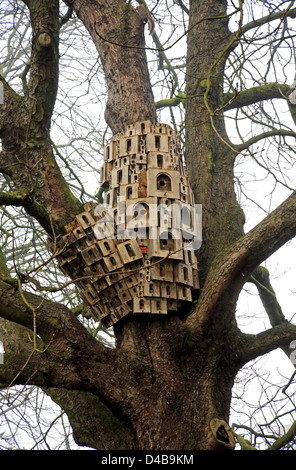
(133, 254)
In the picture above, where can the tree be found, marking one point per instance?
(167, 382)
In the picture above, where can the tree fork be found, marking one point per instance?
(27, 156)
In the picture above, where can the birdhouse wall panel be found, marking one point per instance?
(161, 161)
(142, 127)
(123, 310)
(142, 213)
(103, 229)
(128, 145)
(137, 174)
(165, 244)
(168, 290)
(138, 159)
(65, 242)
(129, 251)
(65, 258)
(110, 319)
(190, 258)
(121, 285)
(95, 271)
(114, 301)
(163, 183)
(124, 296)
(100, 284)
(91, 255)
(162, 271)
(141, 305)
(161, 128)
(183, 274)
(165, 213)
(152, 289)
(131, 281)
(174, 147)
(77, 263)
(129, 131)
(98, 312)
(91, 295)
(112, 262)
(77, 275)
(157, 143)
(105, 173)
(129, 191)
(142, 145)
(109, 198)
(159, 306)
(107, 246)
(195, 279)
(113, 278)
(140, 288)
(133, 291)
(85, 219)
(108, 152)
(110, 292)
(119, 176)
(184, 293)
(84, 243)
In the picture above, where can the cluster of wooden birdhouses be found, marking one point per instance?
(134, 255)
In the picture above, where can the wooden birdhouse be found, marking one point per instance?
(134, 255)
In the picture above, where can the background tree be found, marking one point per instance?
(167, 383)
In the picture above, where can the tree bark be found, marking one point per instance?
(167, 383)
(209, 154)
(27, 156)
(118, 34)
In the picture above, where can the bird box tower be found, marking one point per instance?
(135, 254)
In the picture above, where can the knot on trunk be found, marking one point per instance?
(222, 433)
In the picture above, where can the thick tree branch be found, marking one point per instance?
(25, 199)
(16, 198)
(44, 63)
(96, 427)
(282, 441)
(233, 267)
(260, 278)
(66, 352)
(27, 156)
(170, 102)
(254, 95)
(253, 346)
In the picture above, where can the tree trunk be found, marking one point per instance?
(167, 384)
(176, 388)
(209, 155)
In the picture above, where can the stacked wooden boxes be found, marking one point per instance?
(131, 256)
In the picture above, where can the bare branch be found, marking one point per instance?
(280, 15)
(253, 140)
(254, 95)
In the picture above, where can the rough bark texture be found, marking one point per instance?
(167, 384)
(207, 155)
(118, 34)
(27, 156)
